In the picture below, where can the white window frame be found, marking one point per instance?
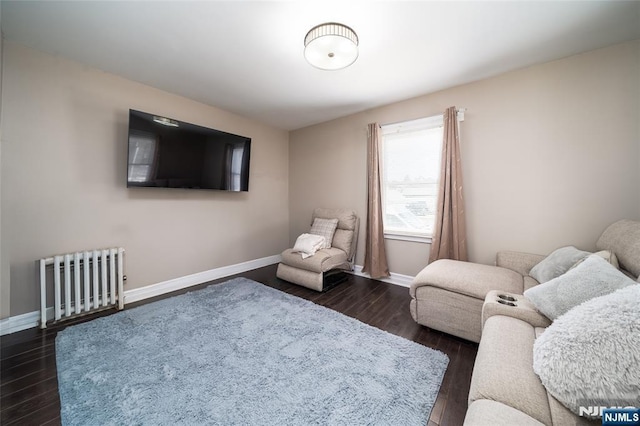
(406, 126)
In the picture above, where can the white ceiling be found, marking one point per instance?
(247, 57)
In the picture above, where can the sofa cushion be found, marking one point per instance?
(590, 355)
(623, 238)
(343, 239)
(529, 282)
(486, 412)
(561, 415)
(322, 261)
(518, 261)
(471, 279)
(557, 263)
(347, 219)
(503, 372)
(592, 278)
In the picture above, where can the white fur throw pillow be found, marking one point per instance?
(557, 263)
(591, 355)
(592, 278)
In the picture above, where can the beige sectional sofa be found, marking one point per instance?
(486, 303)
(504, 388)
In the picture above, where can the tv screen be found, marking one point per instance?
(167, 153)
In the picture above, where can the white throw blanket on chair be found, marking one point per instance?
(308, 244)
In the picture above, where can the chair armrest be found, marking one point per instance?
(518, 261)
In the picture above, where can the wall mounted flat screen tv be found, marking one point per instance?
(167, 153)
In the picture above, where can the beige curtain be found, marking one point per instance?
(375, 257)
(449, 236)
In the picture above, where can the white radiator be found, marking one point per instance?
(83, 282)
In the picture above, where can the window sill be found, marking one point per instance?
(411, 238)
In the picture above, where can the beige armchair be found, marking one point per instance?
(327, 266)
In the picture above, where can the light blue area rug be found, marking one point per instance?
(242, 353)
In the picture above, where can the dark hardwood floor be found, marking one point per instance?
(28, 378)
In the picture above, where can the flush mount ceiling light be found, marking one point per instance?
(331, 46)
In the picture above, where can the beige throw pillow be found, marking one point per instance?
(606, 255)
(325, 228)
(557, 263)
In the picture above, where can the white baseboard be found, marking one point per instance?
(19, 322)
(158, 289)
(397, 279)
(32, 319)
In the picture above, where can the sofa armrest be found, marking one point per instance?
(518, 261)
(517, 306)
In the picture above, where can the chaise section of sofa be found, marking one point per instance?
(448, 295)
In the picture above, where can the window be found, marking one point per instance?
(236, 167)
(142, 150)
(411, 156)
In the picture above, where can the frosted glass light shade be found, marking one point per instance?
(331, 46)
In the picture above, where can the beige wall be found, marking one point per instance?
(64, 129)
(550, 156)
(4, 269)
